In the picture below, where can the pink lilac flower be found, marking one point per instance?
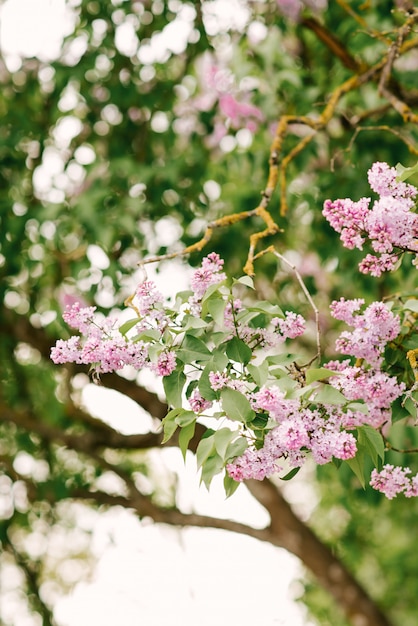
(79, 317)
(166, 363)
(348, 219)
(293, 8)
(257, 464)
(377, 389)
(391, 225)
(382, 179)
(197, 402)
(293, 325)
(66, 351)
(218, 380)
(375, 266)
(240, 114)
(272, 400)
(209, 273)
(392, 480)
(372, 330)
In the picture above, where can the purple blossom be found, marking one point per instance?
(391, 225)
(197, 402)
(79, 317)
(293, 325)
(166, 363)
(393, 480)
(372, 330)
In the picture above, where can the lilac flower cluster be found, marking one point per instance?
(103, 346)
(300, 430)
(393, 480)
(372, 329)
(322, 431)
(391, 225)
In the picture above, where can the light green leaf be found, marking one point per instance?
(236, 448)
(223, 438)
(357, 466)
(411, 305)
(126, 327)
(173, 387)
(193, 349)
(259, 373)
(263, 306)
(205, 448)
(238, 351)
(244, 280)
(212, 466)
(330, 395)
(185, 418)
(318, 374)
(236, 406)
(216, 308)
(372, 442)
(230, 485)
(405, 172)
(186, 434)
(169, 424)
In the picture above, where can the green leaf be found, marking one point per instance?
(263, 306)
(193, 349)
(205, 448)
(244, 280)
(126, 327)
(290, 474)
(405, 172)
(193, 322)
(213, 289)
(186, 434)
(372, 442)
(236, 448)
(212, 466)
(204, 386)
(230, 485)
(357, 465)
(238, 351)
(259, 373)
(411, 305)
(330, 395)
(223, 438)
(236, 406)
(169, 424)
(185, 418)
(216, 307)
(148, 335)
(318, 374)
(173, 387)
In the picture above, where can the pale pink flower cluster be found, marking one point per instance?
(220, 380)
(391, 225)
(103, 346)
(299, 430)
(209, 273)
(235, 110)
(373, 329)
(148, 302)
(393, 480)
(293, 325)
(197, 402)
(293, 8)
(377, 389)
